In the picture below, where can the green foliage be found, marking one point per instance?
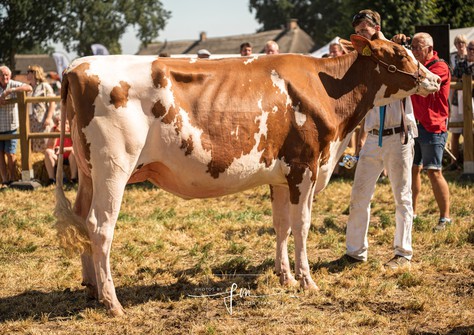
(27, 25)
(89, 21)
(323, 20)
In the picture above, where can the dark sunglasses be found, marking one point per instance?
(30, 71)
(362, 16)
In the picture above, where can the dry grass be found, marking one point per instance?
(166, 249)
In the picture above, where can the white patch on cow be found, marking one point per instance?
(377, 68)
(250, 59)
(336, 149)
(188, 131)
(165, 96)
(300, 118)
(306, 182)
(280, 84)
(246, 166)
(192, 60)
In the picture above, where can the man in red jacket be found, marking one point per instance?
(432, 113)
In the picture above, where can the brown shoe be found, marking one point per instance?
(397, 262)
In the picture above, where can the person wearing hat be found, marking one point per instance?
(203, 53)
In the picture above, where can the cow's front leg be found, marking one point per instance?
(300, 217)
(281, 224)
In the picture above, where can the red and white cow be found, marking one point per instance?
(207, 128)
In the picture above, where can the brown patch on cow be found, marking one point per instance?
(185, 78)
(187, 145)
(86, 88)
(119, 95)
(157, 74)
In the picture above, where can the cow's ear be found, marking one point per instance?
(362, 45)
(346, 45)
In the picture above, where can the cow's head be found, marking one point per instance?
(399, 71)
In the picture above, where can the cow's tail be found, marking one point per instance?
(71, 229)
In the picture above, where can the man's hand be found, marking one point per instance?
(401, 39)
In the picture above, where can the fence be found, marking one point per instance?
(468, 150)
(25, 135)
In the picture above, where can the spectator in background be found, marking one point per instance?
(203, 53)
(459, 64)
(9, 123)
(432, 113)
(41, 115)
(271, 48)
(460, 42)
(246, 49)
(335, 50)
(51, 155)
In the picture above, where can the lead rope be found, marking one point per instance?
(382, 110)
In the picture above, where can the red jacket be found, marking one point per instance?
(433, 111)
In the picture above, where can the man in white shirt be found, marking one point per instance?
(393, 156)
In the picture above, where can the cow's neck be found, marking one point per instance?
(352, 81)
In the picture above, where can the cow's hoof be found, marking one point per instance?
(287, 280)
(308, 284)
(116, 312)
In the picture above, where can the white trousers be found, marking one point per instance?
(397, 160)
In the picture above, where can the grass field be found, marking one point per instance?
(168, 254)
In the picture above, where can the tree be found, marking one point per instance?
(86, 22)
(29, 24)
(26, 25)
(323, 19)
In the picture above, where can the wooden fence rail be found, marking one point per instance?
(25, 135)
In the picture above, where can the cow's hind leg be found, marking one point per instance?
(108, 188)
(281, 224)
(81, 208)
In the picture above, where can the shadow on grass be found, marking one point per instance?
(337, 265)
(70, 304)
(463, 330)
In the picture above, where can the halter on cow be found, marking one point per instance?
(206, 128)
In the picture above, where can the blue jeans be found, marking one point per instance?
(429, 148)
(8, 146)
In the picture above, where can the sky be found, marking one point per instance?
(190, 17)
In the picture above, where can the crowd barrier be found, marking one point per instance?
(24, 134)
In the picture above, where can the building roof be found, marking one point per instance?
(291, 39)
(22, 61)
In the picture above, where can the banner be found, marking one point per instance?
(62, 63)
(99, 49)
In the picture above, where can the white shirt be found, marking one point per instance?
(392, 117)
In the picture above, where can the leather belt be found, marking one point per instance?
(386, 132)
